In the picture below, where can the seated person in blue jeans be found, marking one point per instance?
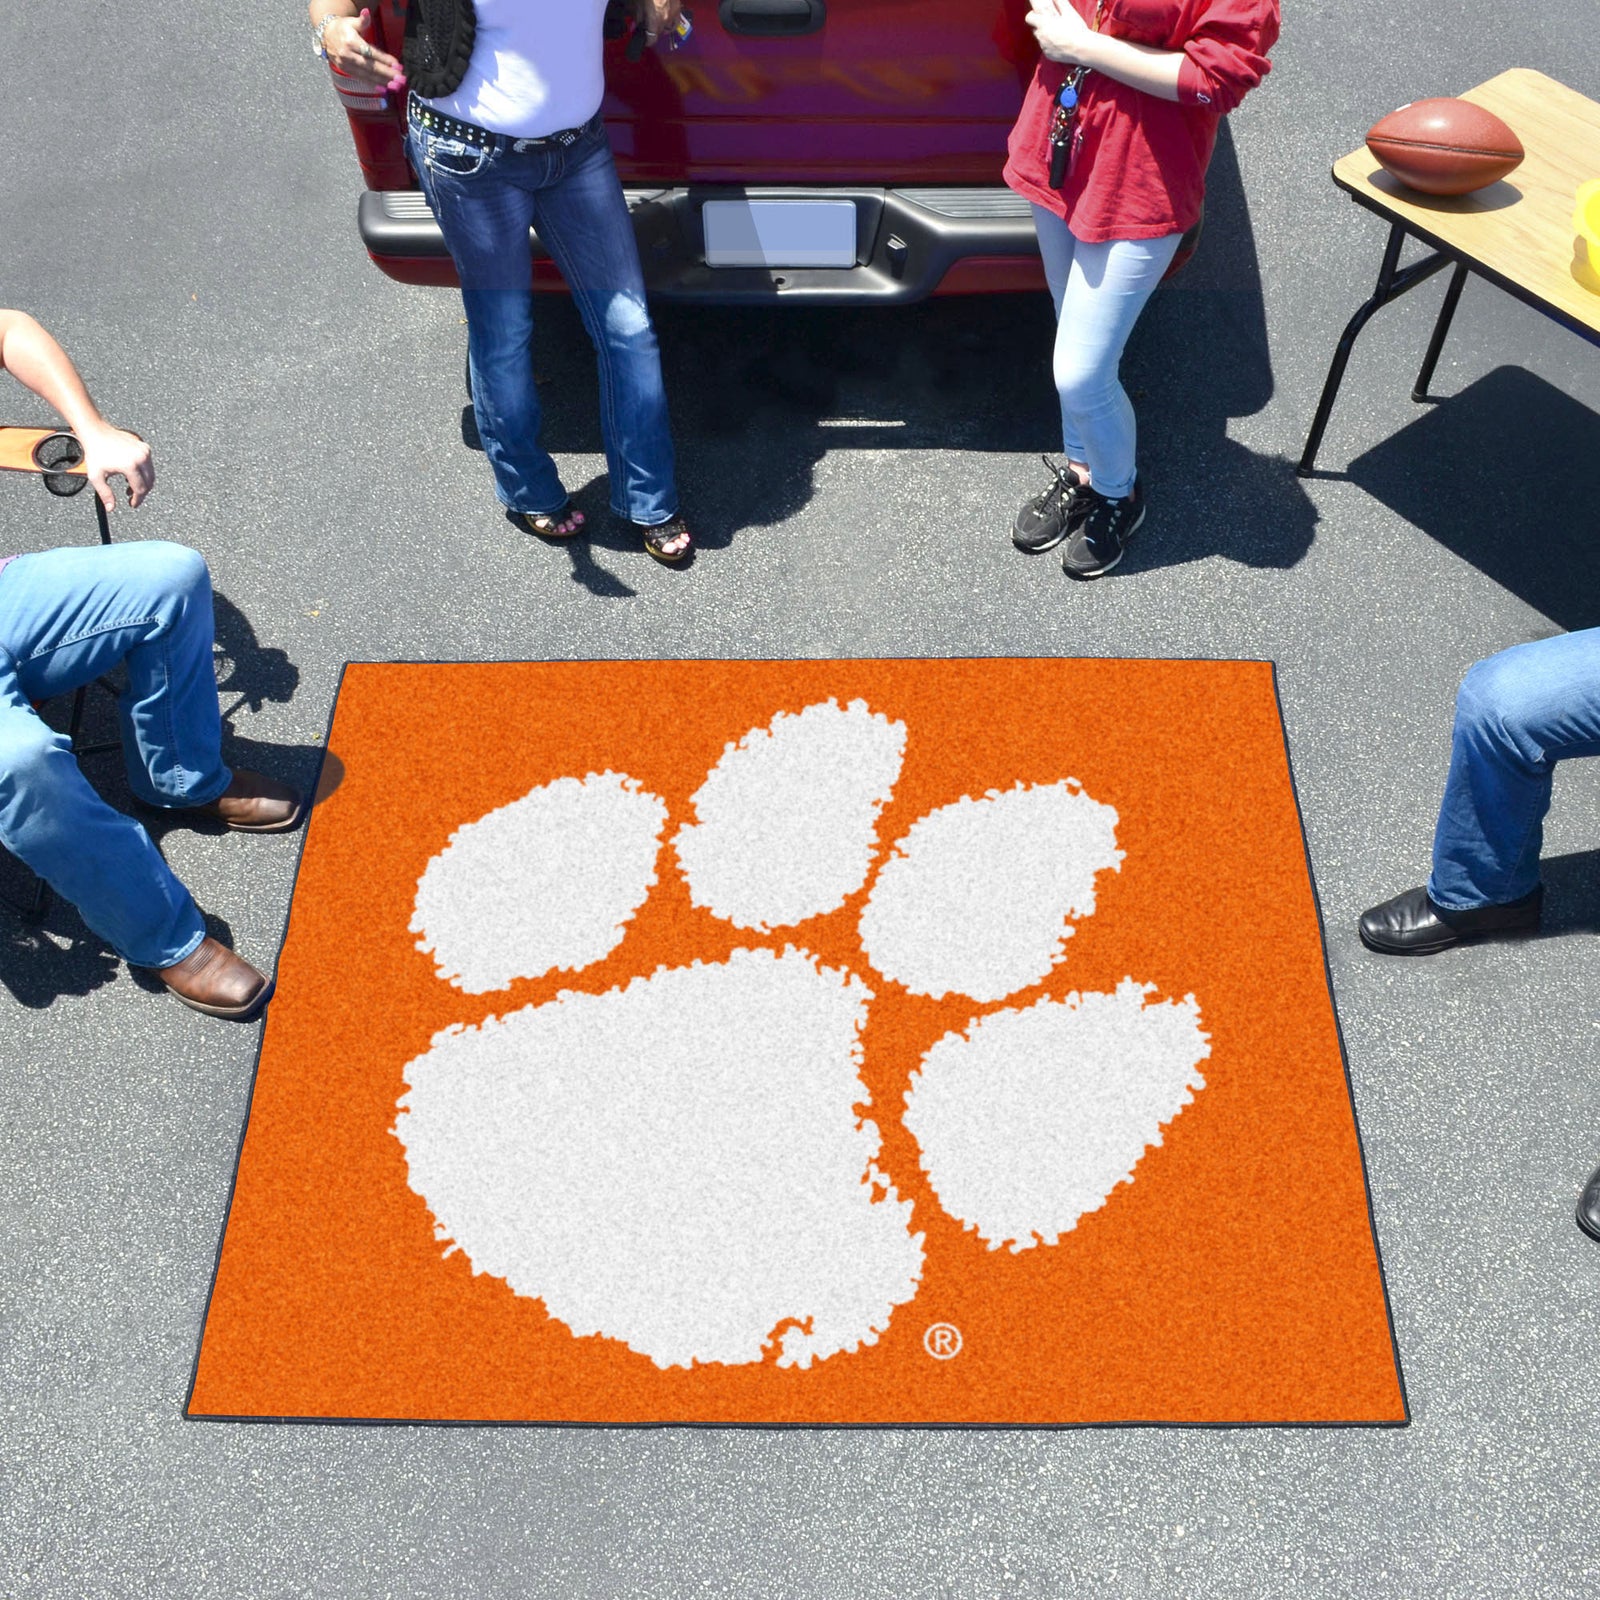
(1517, 715)
(67, 617)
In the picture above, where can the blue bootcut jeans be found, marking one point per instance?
(67, 617)
(1517, 714)
(486, 201)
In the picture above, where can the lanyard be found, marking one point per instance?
(1066, 109)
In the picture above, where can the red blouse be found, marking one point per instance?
(1138, 166)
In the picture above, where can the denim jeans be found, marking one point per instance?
(485, 202)
(66, 617)
(1517, 714)
(1099, 291)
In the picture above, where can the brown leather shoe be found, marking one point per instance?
(255, 803)
(212, 979)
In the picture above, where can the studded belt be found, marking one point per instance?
(470, 133)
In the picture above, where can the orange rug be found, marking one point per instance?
(814, 1042)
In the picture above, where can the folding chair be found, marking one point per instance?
(56, 459)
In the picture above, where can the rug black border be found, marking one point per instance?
(1256, 1425)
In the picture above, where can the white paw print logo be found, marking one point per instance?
(688, 1162)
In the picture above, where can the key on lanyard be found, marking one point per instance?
(1066, 110)
(1061, 126)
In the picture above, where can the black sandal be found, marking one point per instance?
(657, 538)
(546, 525)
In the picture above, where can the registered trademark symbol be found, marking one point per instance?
(942, 1341)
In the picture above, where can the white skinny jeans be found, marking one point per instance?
(1099, 291)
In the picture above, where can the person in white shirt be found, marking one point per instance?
(504, 133)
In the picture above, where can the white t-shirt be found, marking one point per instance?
(535, 67)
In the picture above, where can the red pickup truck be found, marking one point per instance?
(824, 151)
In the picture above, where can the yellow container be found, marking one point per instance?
(1586, 248)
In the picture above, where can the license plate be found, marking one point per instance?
(779, 233)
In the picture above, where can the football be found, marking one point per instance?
(1445, 146)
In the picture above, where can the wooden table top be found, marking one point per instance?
(1519, 231)
(17, 446)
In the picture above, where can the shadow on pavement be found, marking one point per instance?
(1531, 529)
(1199, 358)
(39, 964)
(760, 394)
(1571, 893)
(601, 529)
(256, 673)
(42, 962)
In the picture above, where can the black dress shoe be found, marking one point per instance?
(1412, 925)
(1589, 1206)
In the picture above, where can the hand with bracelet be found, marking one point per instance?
(343, 38)
(658, 18)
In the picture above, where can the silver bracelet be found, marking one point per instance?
(318, 48)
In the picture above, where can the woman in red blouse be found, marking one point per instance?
(1111, 148)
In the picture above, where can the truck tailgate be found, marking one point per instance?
(825, 91)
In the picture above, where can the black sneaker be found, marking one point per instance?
(1097, 544)
(1048, 518)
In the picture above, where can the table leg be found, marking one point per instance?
(75, 726)
(39, 906)
(1392, 283)
(36, 907)
(1441, 328)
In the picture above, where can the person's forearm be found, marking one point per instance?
(1139, 65)
(37, 362)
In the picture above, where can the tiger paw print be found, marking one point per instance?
(688, 1162)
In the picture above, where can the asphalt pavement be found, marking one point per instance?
(177, 203)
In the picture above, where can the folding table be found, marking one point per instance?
(1517, 233)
